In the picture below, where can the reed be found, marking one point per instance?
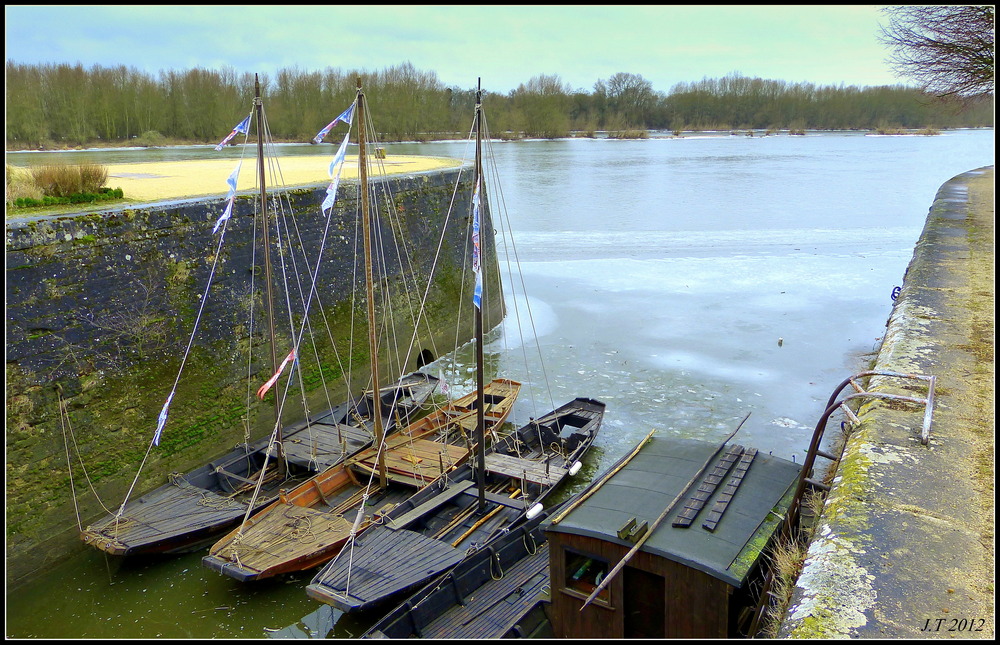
(787, 559)
(20, 184)
(63, 181)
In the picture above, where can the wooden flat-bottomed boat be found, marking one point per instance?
(190, 511)
(458, 514)
(308, 525)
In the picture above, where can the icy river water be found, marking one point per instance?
(684, 281)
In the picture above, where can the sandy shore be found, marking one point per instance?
(177, 179)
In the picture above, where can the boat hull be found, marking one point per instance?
(483, 596)
(327, 505)
(447, 522)
(190, 512)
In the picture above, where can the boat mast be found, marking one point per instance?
(259, 109)
(369, 286)
(480, 398)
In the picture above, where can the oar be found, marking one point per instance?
(663, 515)
(604, 478)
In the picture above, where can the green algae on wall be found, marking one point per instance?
(99, 313)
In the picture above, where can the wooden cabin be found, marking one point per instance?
(693, 575)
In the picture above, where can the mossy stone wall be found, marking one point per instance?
(100, 308)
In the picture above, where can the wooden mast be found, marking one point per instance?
(480, 398)
(259, 110)
(370, 287)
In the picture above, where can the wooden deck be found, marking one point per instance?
(497, 606)
(285, 534)
(532, 470)
(174, 510)
(420, 460)
(323, 445)
(392, 561)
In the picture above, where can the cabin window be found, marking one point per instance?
(584, 573)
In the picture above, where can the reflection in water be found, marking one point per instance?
(661, 275)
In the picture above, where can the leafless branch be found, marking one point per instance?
(948, 49)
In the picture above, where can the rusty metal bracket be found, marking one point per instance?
(928, 402)
(791, 518)
(833, 404)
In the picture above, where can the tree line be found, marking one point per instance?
(60, 105)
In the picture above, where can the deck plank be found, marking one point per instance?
(529, 469)
(489, 612)
(394, 561)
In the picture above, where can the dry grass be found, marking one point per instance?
(787, 559)
(63, 181)
(20, 184)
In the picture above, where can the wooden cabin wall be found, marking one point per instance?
(696, 605)
(596, 621)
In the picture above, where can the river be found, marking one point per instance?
(683, 281)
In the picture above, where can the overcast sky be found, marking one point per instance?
(505, 45)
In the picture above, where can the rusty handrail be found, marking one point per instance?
(833, 404)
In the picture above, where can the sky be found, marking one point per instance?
(504, 45)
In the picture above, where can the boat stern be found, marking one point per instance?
(102, 542)
(231, 569)
(343, 602)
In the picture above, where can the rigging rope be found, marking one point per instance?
(498, 189)
(201, 308)
(69, 462)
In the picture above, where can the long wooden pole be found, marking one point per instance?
(480, 395)
(593, 488)
(370, 288)
(663, 515)
(259, 109)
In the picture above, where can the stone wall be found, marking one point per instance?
(100, 310)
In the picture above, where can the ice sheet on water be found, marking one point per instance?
(559, 245)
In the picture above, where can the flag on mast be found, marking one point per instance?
(335, 167)
(477, 295)
(231, 197)
(271, 381)
(346, 116)
(162, 420)
(243, 127)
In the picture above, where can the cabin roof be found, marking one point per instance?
(650, 481)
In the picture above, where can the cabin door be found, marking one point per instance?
(644, 604)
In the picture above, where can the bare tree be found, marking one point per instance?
(947, 49)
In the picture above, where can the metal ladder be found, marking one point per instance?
(792, 517)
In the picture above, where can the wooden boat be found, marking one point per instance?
(486, 595)
(455, 515)
(310, 524)
(191, 510)
(469, 507)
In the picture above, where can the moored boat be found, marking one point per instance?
(191, 510)
(486, 595)
(309, 524)
(458, 515)
(466, 509)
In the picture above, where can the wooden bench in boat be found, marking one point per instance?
(323, 445)
(448, 494)
(527, 469)
(499, 500)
